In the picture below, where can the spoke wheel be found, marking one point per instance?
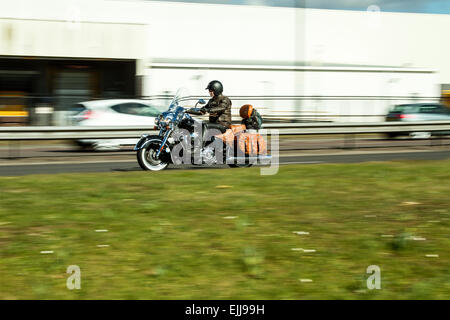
(147, 158)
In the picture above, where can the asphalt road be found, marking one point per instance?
(128, 162)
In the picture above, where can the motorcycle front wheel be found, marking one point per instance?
(146, 158)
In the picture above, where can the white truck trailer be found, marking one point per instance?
(310, 93)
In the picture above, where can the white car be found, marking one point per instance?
(113, 112)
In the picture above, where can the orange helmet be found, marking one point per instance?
(246, 111)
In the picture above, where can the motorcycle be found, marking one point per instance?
(183, 139)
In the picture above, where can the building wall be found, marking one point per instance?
(393, 39)
(124, 29)
(149, 31)
(327, 93)
(56, 38)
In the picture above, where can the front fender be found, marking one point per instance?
(144, 140)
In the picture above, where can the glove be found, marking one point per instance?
(194, 111)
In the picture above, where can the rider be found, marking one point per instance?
(218, 107)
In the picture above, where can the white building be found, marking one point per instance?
(109, 48)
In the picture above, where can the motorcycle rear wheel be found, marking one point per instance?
(228, 153)
(243, 165)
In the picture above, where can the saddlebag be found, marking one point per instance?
(251, 143)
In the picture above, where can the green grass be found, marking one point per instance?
(228, 233)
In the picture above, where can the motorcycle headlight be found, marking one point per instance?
(165, 122)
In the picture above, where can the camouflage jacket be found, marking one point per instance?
(219, 109)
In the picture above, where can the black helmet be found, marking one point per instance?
(215, 86)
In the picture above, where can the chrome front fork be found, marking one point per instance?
(163, 143)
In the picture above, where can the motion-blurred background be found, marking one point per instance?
(311, 231)
(293, 60)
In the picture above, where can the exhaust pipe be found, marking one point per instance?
(243, 159)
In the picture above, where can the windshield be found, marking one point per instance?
(181, 99)
(406, 108)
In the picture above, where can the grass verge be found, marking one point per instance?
(229, 234)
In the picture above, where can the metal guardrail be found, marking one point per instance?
(358, 128)
(74, 133)
(117, 132)
(56, 110)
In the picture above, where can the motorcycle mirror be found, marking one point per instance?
(201, 101)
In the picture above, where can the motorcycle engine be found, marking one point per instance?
(208, 156)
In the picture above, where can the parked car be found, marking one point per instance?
(418, 112)
(114, 112)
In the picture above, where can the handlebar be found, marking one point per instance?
(194, 111)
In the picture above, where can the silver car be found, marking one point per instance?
(418, 112)
(113, 112)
